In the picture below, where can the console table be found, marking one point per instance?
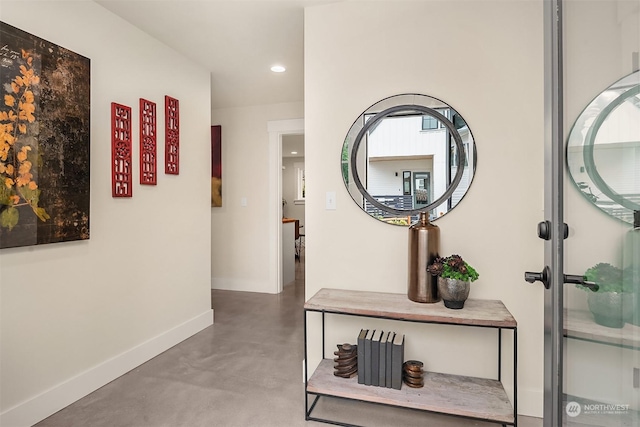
(470, 397)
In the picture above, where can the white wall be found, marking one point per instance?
(480, 58)
(76, 315)
(240, 238)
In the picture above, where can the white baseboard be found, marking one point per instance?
(50, 401)
(530, 402)
(227, 284)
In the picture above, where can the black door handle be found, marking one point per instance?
(581, 280)
(544, 230)
(543, 277)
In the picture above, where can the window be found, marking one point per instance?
(300, 184)
(406, 180)
(454, 154)
(429, 123)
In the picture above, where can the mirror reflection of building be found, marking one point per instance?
(408, 159)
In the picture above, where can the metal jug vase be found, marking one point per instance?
(424, 245)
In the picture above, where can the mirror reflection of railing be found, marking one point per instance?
(397, 202)
(603, 149)
(408, 154)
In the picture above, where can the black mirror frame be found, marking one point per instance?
(587, 144)
(589, 161)
(385, 113)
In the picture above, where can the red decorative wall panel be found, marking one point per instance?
(121, 164)
(172, 136)
(148, 143)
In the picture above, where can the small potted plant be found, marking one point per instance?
(454, 279)
(611, 304)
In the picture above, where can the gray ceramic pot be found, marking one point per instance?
(634, 317)
(611, 309)
(453, 292)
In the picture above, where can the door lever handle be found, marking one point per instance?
(582, 281)
(543, 277)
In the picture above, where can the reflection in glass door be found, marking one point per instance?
(600, 365)
(421, 189)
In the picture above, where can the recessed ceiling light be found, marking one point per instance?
(294, 152)
(278, 69)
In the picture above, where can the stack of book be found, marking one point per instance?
(380, 358)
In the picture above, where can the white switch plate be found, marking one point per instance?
(331, 201)
(243, 201)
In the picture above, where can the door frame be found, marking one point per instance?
(277, 129)
(553, 212)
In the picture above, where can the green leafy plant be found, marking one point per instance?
(395, 221)
(453, 267)
(606, 276)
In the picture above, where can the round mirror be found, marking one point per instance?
(603, 149)
(408, 154)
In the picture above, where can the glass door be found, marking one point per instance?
(421, 189)
(592, 156)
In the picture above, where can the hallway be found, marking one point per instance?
(245, 370)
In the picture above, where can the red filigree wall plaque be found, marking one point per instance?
(148, 143)
(172, 136)
(121, 164)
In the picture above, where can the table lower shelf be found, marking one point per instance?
(579, 324)
(470, 397)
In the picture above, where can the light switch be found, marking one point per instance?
(243, 201)
(331, 200)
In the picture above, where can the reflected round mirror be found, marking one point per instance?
(603, 149)
(408, 154)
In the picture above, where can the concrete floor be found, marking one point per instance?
(245, 370)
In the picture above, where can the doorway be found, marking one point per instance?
(293, 206)
(278, 129)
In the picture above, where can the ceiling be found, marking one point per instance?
(236, 40)
(292, 144)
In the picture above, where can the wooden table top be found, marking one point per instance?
(476, 312)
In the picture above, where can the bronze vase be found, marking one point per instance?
(424, 244)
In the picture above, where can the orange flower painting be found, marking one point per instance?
(44, 141)
(216, 166)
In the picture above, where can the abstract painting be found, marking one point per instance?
(216, 166)
(44, 141)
